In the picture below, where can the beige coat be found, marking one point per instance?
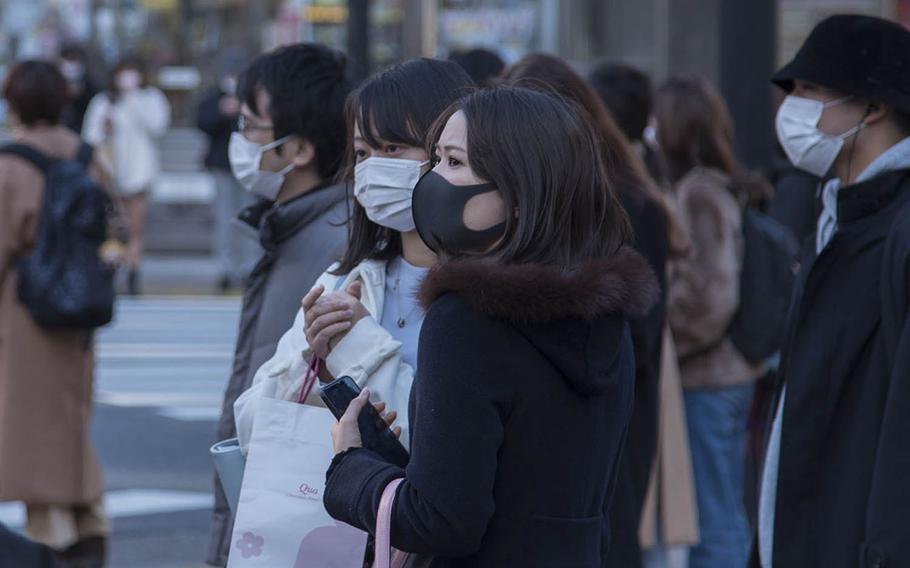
(670, 514)
(703, 294)
(45, 377)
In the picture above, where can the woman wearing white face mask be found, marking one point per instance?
(362, 318)
(124, 123)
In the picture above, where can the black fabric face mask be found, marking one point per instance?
(438, 208)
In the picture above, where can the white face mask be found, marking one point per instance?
(73, 71)
(245, 157)
(229, 85)
(807, 147)
(129, 80)
(384, 187)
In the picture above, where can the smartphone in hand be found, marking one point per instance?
(374, 432)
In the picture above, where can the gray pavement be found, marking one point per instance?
(171, 274)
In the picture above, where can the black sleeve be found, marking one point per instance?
(446, 501)
(887, 537)
(209, 117)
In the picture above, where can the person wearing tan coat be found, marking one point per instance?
(695, 133)
(46, 458)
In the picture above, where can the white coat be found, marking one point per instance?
(368, 354)
(138, 118)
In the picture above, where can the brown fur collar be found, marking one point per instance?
(527, 293)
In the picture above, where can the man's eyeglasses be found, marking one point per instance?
(244, 126)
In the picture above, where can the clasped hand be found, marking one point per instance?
(329, 317)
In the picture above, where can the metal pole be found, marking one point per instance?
(358, 39)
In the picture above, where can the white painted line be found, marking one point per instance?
(184, 400)
(126, 503)
(191, 413)
(111, 351)
(186, 302)
(163, 372)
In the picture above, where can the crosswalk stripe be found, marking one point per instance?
(171, 354)
(126, 503)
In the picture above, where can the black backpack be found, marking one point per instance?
(766, 286)
(63, 282)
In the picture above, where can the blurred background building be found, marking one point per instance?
(731, 42)
(736, 44)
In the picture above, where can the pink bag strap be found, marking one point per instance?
(384, 526)
(312, 373)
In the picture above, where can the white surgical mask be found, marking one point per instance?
(245, 157)
(384, 187)
(129, 80)
(229, 85)
(807, 147)
(73, 71)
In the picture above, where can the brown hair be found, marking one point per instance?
(546, 162)
(694, 129)
(36, 92)
(623, 164)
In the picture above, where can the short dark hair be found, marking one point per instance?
(36, 92)
(902, 120)
(482, 65)
(307, 87)
(545, 160)
(628, 94)
(399, 105)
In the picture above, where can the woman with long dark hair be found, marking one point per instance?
(361, 317)
(695, 133)
(525, 372)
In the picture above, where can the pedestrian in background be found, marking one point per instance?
(834, 492)
(526, 370)
(695, 133)
(650, 216)
(483, 65)
(628, 94)
(45, 376)
(287, 152)
(81, 86)
(217, 115)
(124, 124)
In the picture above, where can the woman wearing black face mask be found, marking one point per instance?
(524, 356)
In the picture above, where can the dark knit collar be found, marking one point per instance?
(277, 222)
(529, 293)
(871, 196)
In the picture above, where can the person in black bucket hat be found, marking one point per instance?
(835, 487)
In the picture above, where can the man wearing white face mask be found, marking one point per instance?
(286, 152)
(834, 486)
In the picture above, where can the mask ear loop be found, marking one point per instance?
(859, 128)
(273, 145)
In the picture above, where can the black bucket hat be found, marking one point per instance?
(856, 55)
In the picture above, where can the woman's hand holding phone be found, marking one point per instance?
(329, 317)
(346, 432)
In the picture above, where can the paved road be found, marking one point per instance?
(161, 369)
